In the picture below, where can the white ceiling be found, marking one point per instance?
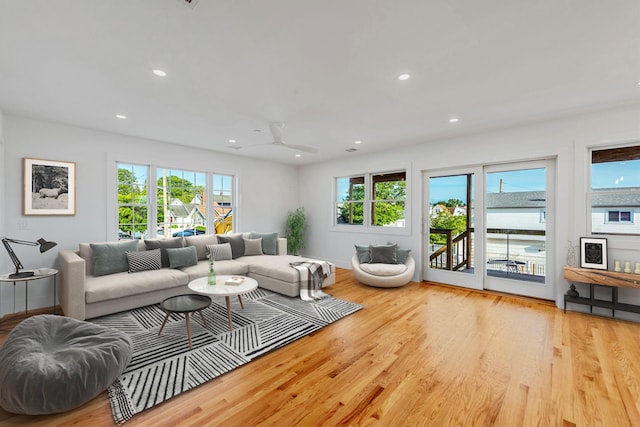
(327, 69)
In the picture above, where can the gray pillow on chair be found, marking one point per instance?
(384, 254)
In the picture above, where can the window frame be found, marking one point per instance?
(152, 199)
(611, 154)
(368, 204)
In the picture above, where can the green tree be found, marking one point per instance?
(131, 218)
(451, 203)
(179, 188)
(444, 220)
(387, 211)
(392, 210)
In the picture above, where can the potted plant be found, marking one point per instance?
(296, 226)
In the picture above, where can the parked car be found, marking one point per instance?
(188, 232)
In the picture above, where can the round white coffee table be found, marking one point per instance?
(200, 286)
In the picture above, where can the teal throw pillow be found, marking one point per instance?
(364, 256)
(109, 258)
(182, 257)
(269, 242)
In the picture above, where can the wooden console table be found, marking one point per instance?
(612, 279)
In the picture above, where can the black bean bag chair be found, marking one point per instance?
(51, 364)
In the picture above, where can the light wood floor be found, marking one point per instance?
(426, 355)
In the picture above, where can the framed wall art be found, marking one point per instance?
(49, 187)
(593, 253)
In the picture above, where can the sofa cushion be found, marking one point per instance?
(364, 255)
(201, 242)
(182, 257)
(163, 244)
(236, 242)
(143, 261)
(220, 252)
(269, 242)
(110, 257)
(384, 269)
(386, 254)
(276, 267)
(121, 285)
(253, 247)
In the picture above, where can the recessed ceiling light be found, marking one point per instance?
(404, 76)
(638, 83)
(121, 116)
(160, 73)
(298, 155)
(357, 142)
(454, 120)
(233, 141)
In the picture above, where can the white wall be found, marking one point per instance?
(266, 191)
(566, 139)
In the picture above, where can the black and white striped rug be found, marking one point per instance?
(162, 366)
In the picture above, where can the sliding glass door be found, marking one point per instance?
(518, 203)
(452, 247)
(489, 227)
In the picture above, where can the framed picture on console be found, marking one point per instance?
(49, 187)
(593, 253)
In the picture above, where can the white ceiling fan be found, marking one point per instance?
(276, 131)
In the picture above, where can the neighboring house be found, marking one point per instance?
(615, 211)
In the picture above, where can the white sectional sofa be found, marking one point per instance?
(84, 295)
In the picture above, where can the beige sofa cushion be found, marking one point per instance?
(119, 285)
(201, 242)
(276, 267)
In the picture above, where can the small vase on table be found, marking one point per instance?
(211, 278)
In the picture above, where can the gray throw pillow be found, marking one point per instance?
(252, 247)
(269, 242)
(182, 257)
(109, 258)
(364, 255)
(220, 251)
(384, 254)
(401, 254)
(143, 260)
(163, 244)
(236, 242)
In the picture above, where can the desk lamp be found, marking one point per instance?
(44, 246)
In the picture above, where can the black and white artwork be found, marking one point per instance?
(593, 253)
(49, 187)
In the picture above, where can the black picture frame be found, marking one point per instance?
(593, 253)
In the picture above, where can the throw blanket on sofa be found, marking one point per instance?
(312, 275)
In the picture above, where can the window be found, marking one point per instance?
(132, 200)
(389, 195)
(350, 203)
(615, 190)
(371, 200)
(182, 202)
(619, 216)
